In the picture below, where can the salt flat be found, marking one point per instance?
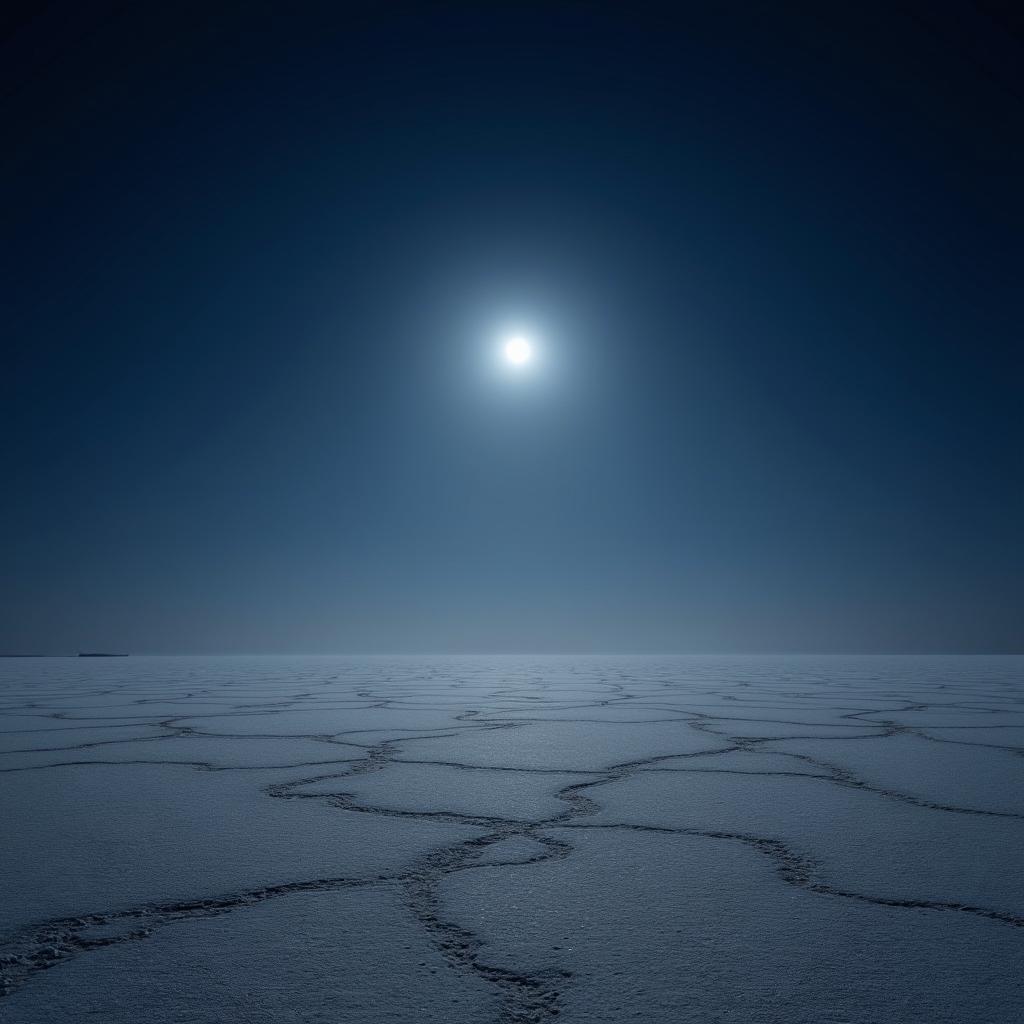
(519, 839)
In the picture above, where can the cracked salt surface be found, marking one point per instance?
(988, 779)
(305, 957)
(429, 787)
(106, 837)
(513, 839)
(40, 738)
(858, 838)
(688, 929)
(207, 751)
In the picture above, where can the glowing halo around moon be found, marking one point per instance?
(517, 350)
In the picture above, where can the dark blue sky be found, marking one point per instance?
(256, 258)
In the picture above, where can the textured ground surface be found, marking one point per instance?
(799, 840)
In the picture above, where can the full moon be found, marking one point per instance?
(518, 350)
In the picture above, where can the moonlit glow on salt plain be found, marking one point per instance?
(561, 366)
(518, 350)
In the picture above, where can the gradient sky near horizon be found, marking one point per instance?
(259, 259)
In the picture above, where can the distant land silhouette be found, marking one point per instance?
(81, 654)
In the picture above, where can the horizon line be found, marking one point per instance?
(529, 654)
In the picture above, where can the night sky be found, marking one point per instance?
(259, 258)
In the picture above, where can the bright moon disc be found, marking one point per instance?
(518, 350)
